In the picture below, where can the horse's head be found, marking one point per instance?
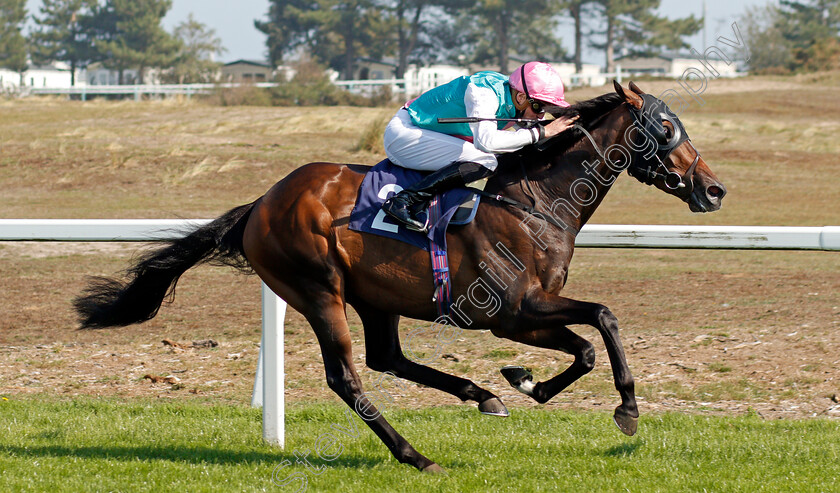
(663, 155)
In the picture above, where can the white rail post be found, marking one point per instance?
(270, 369)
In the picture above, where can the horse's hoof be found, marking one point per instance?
(433, 469)
(493, 407)
(626, 423)
(520, 378)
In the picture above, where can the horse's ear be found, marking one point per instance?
(635, 88)
(629, 97)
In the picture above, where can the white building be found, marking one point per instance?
(9, 80)
(590, 74)
(55, 75)
(247, 71)
(420, 80)
(97, 75)
(676, 66)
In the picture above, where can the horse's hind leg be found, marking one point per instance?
(551, 314)
(329, 321)
(383, 353)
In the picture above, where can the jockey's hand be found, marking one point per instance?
(560, 125)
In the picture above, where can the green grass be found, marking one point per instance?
(111, 445)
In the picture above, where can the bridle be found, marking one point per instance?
(649, 122)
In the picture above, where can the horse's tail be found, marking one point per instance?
(114, 303)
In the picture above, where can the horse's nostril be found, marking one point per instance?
(715, 192)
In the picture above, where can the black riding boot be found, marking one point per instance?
(406, 205)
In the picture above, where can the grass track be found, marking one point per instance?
(142, 445)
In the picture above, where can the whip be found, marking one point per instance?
(528, 122)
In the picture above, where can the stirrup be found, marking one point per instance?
(412, 226)
(425, 228)
(404, 214)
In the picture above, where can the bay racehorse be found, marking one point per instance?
(517, 250)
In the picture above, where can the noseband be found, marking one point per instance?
(649, 123)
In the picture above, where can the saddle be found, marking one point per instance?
(454, 207)
(457, 206)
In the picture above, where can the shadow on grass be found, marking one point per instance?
(197, 455)
(623, 450)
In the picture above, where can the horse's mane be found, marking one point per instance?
(592, 109)
(590, 112)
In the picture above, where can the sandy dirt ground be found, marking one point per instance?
(705, 337)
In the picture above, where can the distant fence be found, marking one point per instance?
(138, 91)
(364, 87)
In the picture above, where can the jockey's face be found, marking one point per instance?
(523, 108)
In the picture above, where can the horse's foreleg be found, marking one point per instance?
(330, 325)
(549, 310)
(562, 339)
(384, 354)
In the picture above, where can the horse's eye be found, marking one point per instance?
(669, 132)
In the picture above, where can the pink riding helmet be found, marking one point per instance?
(541, 83)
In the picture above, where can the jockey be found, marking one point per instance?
(463, 153)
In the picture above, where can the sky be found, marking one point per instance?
(233, 21)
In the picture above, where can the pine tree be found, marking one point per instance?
(811, 31)
(334, 32)
(415, 22)
(493, 29)
(576, 10)
(12, 42)
(793, 36)
(633, 25)
(62, 33)
(288, 27)
(130, 35)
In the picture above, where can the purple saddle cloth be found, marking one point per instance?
(386, 179)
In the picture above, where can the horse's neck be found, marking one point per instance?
(571, 186)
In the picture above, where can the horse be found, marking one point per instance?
(296, 239)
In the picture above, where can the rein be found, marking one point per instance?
(645, 120)
(519, 205)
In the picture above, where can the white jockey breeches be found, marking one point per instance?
(412, 147)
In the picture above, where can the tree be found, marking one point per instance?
(130, 35)
(288, 27)
(793, 36)
(12, 42)
(533, 36)
(199, 45)
(410, 20)
(497, 28)
(62, 33)
(334, 32)
(408, 30)
(576, 9)
(632, 25)
(769, 51)
(811, 30)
